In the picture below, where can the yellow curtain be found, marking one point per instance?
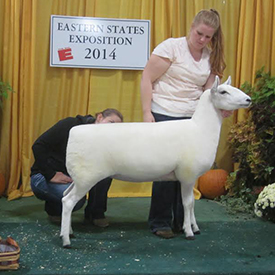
(46, 94)
(256, 41)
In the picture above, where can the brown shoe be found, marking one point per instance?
(101, 222)
(166, 234)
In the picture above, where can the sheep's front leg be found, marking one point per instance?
(194, 225)
(190, 226)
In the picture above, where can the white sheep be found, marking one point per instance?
(137, 152)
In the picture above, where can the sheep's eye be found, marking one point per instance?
(224, 92)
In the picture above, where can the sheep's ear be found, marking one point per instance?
(215, 84)
(228, 81)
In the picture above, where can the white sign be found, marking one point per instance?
(90, 42)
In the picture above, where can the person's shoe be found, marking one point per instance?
(101, 222)
(54, 219)
(178, 230)
(166, 234)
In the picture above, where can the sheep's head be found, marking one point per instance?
(226, 97)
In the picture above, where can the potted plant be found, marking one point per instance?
(5, 88)
(264, 206)
(253, 143)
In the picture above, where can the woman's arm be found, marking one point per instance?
(51, 144)
(209, 82)
(155, 68)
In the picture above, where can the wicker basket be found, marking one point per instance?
(9, 254)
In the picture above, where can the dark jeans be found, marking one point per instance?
(97, 202)
(166, 211)
(52, 194)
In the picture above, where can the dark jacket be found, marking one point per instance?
(49, 149)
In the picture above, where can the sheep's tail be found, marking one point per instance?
(68, 190)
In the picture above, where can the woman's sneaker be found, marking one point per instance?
(101, 222)
(166, 234)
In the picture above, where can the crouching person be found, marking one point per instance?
(49, 176)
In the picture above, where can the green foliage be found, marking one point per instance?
(253, 140)
(240, 198)
(236, 205)
(5, 88)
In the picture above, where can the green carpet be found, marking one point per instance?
(227, 244)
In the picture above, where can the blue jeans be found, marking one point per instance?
(166, 211)
(52, 194)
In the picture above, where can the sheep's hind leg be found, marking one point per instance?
(66, 228)
(68, 203)
(67, 191)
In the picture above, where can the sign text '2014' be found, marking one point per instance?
(100, 54)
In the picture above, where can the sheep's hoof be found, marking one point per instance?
(190, 238)
(67, 246)
(197, 232)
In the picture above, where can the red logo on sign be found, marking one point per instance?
(65, 54)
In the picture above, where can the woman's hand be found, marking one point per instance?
(148, 117)
(226, 113)
(59, 177)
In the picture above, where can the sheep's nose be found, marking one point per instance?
(248, 100)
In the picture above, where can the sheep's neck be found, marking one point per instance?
(208, 119)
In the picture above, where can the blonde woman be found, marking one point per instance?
(177, 73)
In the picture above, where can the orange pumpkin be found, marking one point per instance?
(212, 183)
(2, 184)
